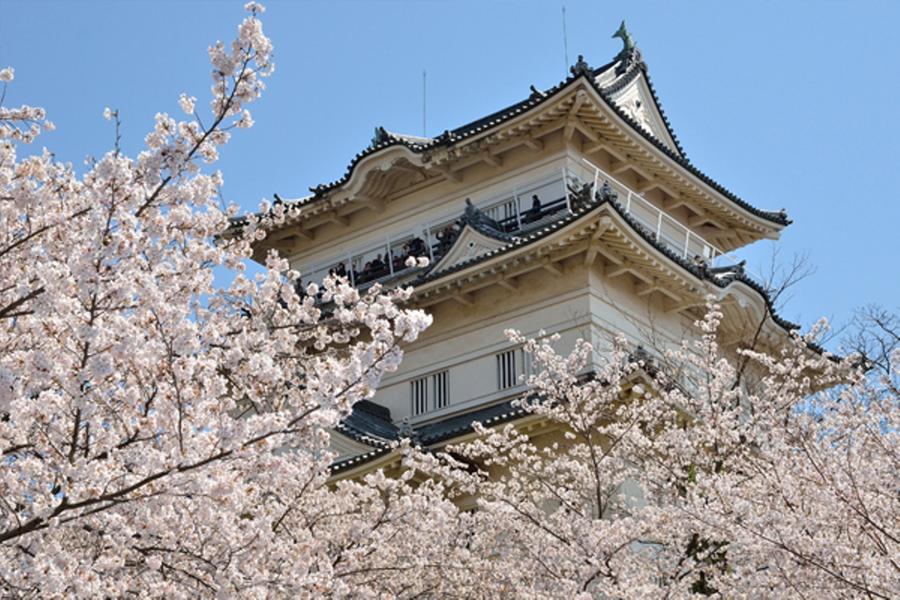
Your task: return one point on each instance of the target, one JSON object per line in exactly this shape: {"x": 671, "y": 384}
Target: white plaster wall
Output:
{"x": 582, "y": 304}
{"x": 428, "y": 206}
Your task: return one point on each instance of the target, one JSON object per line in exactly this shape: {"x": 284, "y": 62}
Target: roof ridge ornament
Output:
{"x": 536, "y": 93}
{"x": 581, "y": 67}
{"x": 381, "y": 136}
{"x": 629, "y": 55}
{"x": 475, "y": 217}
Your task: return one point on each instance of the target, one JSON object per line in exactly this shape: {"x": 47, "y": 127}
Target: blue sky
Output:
{"x": 788, "y": 104}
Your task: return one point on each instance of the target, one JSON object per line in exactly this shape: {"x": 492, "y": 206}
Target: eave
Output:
{"x": 524, "y": 123}
{"x": 602, "y": 230}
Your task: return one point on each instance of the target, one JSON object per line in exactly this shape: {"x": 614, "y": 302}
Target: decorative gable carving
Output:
{"x": 637, "y": 102}
{"x": 468, "y": 245}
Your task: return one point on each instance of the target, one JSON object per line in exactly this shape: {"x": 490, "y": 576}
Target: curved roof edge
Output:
{"x": 699, "y": 271}
{"x": 385, "y": 139}
{"x": 639, "y": 67}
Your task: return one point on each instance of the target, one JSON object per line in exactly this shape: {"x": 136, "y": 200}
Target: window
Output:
{"x": 510, "y": 365}
{"x": 440, "y": 386}
{"x": 419, "y": 395}
{"x": 506, "y": 370}
{"x": 431, "y": 392}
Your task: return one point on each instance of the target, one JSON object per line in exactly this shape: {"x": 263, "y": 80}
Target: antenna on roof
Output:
{"x": 424, "y": 131}
{"x": 565, "y": 40}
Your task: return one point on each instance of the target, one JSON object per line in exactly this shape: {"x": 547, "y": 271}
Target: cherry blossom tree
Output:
{"x": 625, "y": 481}
{"x": 164, "y": 436}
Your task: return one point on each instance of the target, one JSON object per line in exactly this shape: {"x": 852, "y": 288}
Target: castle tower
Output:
{"x": 574, "y": 211}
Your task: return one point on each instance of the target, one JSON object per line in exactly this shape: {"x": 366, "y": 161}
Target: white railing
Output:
{"x": 668, "y": 230}
{"x": 513, "y": 208}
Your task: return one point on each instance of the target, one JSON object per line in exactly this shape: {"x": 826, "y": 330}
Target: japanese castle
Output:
{"x": 574, "y": 212}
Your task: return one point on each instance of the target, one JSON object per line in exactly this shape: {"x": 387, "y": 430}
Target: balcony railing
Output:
{"x": 669, "y": 231}
{"x": 522, "y": 210}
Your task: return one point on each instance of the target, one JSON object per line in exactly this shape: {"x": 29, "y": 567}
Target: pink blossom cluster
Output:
{"x": 165, "y": 437}
{"x": 680, "y": 476}
{"x": 162, "y": 436}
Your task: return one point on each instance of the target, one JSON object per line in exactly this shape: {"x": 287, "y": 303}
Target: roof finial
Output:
{"x": 581, "y": 67}
{"x": 627, "y": 40}
{"x": 629, "y": 54}
{"x": 381, "y": 136}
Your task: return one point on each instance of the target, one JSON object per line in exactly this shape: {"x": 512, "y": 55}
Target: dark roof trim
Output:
{"x": 779, "y": 217}
{"x": 446, "y": 429}
{"x": 450, "y": 137}
{"x": 590, "y": 205}
{"x": 355, "y": 461}
{"x": 369, "y": 424}
{"x": 622, "y": 82}
{"x": 440, "y": 431}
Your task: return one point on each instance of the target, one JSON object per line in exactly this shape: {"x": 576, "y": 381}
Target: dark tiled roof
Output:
{"x": 359, "y": 459}
{"x": 640, "y": 67}
{"x": 439, "y": 431}
{"x": 496, "y": 414}
{"x": 370, "y": 423}
{"x": 779, "y": 217}
{"x": 385, "y": 139}
{"x": 721, "y": 278}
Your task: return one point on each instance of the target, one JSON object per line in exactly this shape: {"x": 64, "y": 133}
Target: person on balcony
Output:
{"x": 378, "y": 266}
{"x": 417, "y": 247}
{"x": 533, "y": 213}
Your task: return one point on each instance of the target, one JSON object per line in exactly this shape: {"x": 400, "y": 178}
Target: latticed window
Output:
{"x": 419, "y": 394}
{"x": 430, "y": 392}
{"x": 440, "y": 387}
{"x": 510, "y": 365}
{"x": 506, "y": 369}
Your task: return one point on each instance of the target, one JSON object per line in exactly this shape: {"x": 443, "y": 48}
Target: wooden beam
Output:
{"x": 552, "y": 267}
{"x": 464, "y": 299}
{"x": 448, "y": 173}
{"x": 621, "y": 270}
{"x": 586, "y": 131}
{"x": 494, "y": 161}
{"x": 580, "y": 98}
{"x": 670, "y": 294}
{"x": 591, "y": 254}
{"x": 569, "y": 130}
{"x": 281, "y": 234}
{"x": 283, "y": 244}
{"x": 681, "y": 306}
{"x": 609, "y": 256}
{"x": 645, "y": 186}
{"x": 337, "y": 219}
{"x": 674, "y": 203}
{"x": 698, "y": 220}
{"x": 532, "y": 143}
{"x": 509, "y": 283}
{"x": 708, "y": 232}
{"x": 653, "y": 183}
{"x": 291, "y": 232}
{"x": 603, "y": 225}
{"x": 594, "y": 246}
{"x": 703, "y": 216}
{"x": 615, "y": 154}
{"x": 645, "y": 289}
{"x": 618, "y": 166}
